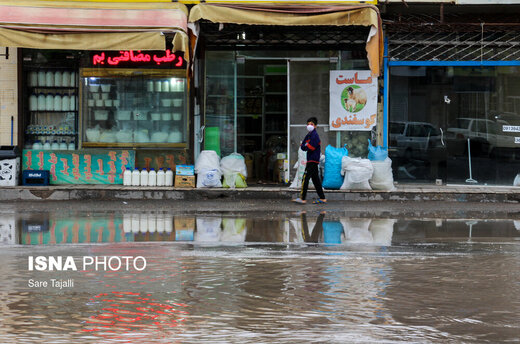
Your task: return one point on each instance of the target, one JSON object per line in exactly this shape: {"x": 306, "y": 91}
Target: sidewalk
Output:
{"x": 403, "y": 192}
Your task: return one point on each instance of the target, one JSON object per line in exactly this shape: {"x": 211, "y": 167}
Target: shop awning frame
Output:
{"x": 362, "y": 15}
{"x": 93, "y": 25}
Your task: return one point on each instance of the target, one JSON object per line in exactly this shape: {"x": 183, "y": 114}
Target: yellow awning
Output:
{"x": 93, "y": 25}
{"x": 362, "y": 15}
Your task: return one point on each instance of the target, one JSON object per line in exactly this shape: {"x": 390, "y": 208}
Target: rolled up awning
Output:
{"x": 93, "y": 25}
{"x": 362, "y": 15}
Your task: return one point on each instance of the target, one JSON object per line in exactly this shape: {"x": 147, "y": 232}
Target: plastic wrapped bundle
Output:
{"x": 207, "y": 168}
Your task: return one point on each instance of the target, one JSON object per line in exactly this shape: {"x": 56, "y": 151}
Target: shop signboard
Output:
{"x": 80, "y": 167}
{"x": 353, "y": 100}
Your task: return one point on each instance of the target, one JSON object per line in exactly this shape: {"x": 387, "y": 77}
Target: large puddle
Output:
{"x": 257, "y": 278}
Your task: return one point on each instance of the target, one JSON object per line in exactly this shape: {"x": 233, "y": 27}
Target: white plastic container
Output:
{"x": 127, "y": 177}
{"x": 161, "y": 178}
{"x": 57, "y": 102}
{"x": 65, "y": 103}
{"x": 33, "y": 79}
{"x": 168, "y": 180}
{"x": 135, "y": 177}
{"x": 72, "y": 103}
{"x": 37, "y": 145}
{"x": 55, "y": 146}
{"x": 63, "y": 145}
{"x": 72, "y": 79}
{"x": 71, "y": 145}
{"x": 149, "y": 86}
{"x": 57, "y": 79}
{"x": 41, "y": 79}
{"x": 49, "y": 102}
{"x": 144, "y": 177}
{"x": 158, "y": 86}
{"x": 41, "y": 102}
{"x": 143, "y": 223}
{"x": 160, "y": 223}
{"x": 46, "y": 146}
{"x": 135, "y": 223}
{"x": 165, "y": 86}
{"x": 65, "y": 79}
{"x": 49, "y": 79}
{"x": 152, "y": 177}
{"x": 33, "y": 102}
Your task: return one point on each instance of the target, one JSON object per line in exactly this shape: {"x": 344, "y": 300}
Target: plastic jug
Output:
{"x": 72, "y": 102}
{"x": 152, "y": 223}
{"x": 57, "y": 102}
{"x": 49, "y": 102}
{"x": 65, "y": 103}
{"x": 37, "y": 145}
{"x": 33, "y": 79}
{"x": 41, "y": 102}
{"x": 71, "y": 145}
{"x": 63, "y": 145}
{"x": 127, "y": 177}
{"x": 33, "y": 102}
{"x": 65, "y": 79}
{"x": 55, "y": 146}
{"x": 41, "y": 79}
{"x": 135, "y": 177}
{"x": 46, "y": 146}
{"x": 49, "y": 79}
{"x": 72, "y": 79}
{"x": 161, "y": 177}
{"x": 57, "y": 79}
{"x": 168, "y": 181}
{"x": 152, "y": 177}
{"x": 144, "y": 177}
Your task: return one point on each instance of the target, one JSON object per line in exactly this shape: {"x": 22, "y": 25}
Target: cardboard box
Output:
{"x": 184, "y": 181}
{"x": 184, "y": 170}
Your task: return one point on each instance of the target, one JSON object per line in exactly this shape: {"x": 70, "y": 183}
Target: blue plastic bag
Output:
{"x": 332, "y": 178}
{"x": 378, "y": 153}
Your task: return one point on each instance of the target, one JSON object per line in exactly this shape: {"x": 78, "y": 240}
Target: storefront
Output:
{"x": 260, "y": 72}
{"x": 95, "y": 101}
{"x": 453, "y": 98}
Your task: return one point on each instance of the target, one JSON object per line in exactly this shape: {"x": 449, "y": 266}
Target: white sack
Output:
{"x": 207, "y": 160}
{"x": 382, "y": 178}
{"x": 357, "y": 173}
{"x": 356, "y": 231}
{"x": 209, "y": 179}
{"x": 233, "y": 163}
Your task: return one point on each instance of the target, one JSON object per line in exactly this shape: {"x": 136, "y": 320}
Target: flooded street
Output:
{"x": 257, "y": 277}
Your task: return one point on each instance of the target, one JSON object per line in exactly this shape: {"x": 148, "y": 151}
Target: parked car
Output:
{"x": 414, "y": 140}
{"x": 486, "y": 136}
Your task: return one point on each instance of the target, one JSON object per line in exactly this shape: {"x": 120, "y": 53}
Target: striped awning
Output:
{"x": 92, "y": 25}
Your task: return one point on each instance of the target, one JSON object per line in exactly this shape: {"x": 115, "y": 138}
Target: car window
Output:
{"x": 492, "y": 128}
{"x": 432, "y": 131}
{"x": 462, "y": 123}
{"x": 396, "y": 128}
{"x": 482, "y": 127}
{"x": 416, "y": 130}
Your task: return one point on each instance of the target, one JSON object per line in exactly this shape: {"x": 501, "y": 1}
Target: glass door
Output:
{"x": 308, "y": 97}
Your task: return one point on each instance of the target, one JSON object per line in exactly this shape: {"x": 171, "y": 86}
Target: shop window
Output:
{"x": 140, "y": 107}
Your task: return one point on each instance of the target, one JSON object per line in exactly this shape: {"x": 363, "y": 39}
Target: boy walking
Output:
{"x": 311, "y": 144}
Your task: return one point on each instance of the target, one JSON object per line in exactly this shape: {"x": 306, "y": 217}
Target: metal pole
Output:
{"x": 470, "y": 179}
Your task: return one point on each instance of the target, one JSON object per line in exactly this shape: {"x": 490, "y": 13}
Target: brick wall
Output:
{"x": 8, "y": 96}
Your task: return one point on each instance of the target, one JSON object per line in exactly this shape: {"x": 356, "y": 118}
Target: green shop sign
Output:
{"x": 81, "y": 167}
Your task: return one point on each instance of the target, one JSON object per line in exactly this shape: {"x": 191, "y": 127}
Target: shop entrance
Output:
{"x": 246, "y": 111}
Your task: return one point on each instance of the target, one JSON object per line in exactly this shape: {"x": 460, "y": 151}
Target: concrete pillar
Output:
{"x": 8, "y": 96}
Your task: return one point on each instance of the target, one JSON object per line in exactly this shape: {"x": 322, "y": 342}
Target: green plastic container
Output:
{"x": 212, "y": 139}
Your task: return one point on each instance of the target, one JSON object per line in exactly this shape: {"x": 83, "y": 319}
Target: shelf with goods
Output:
{"x": 275, "y": 95}
{"x": 129, "y": 112}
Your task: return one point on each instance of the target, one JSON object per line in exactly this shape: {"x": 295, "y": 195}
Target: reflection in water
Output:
{"x": 297, "y": 278}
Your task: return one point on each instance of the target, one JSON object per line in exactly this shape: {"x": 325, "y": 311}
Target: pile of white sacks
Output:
{"x": 359, "y": 174}
{"x": 210, "y": 169}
